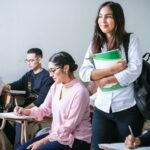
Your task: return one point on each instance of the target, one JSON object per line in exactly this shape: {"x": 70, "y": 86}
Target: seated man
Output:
{"x": 142, "y": 140}
{"x": 36, "y": 82}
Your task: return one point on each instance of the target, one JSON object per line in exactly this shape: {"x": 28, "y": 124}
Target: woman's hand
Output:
{"x": 132, "y": 142}
{"x": 101, "y": 83}
{"x": 107, "y": 80}
{"x": 119, "y": 66}
{"x": 37, "y": 144}
{"x": 22, "y": 111}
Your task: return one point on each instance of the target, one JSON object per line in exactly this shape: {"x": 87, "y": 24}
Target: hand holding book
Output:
{"x": 112, "y": 60}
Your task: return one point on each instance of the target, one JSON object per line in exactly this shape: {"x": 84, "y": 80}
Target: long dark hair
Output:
{"x": 117, "y": 37}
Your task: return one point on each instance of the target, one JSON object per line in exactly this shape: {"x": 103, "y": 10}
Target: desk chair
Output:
{"x": 16, "y": 99}
{"x": 8, "y": 101}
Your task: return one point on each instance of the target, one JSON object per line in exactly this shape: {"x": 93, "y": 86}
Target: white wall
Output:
{"x": 55, "y": 25}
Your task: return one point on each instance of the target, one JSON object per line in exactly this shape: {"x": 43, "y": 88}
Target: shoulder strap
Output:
{"x": 146, "y": 56}
{"x": 126, "y": 40}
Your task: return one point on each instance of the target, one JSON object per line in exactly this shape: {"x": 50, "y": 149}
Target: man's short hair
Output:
{"x": 36, "y": 51}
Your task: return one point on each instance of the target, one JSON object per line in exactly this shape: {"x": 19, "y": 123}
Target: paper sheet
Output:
{"x": 12, "y": 115}
{"x": 119, "y": 146}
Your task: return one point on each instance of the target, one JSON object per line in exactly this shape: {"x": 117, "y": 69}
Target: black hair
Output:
{"x": 99, "y": 37}
{"x": 63, "y": 58}
{"x": 36, "y": 51}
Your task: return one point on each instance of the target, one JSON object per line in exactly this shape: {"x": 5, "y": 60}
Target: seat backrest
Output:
{"x": 6, "y": 102}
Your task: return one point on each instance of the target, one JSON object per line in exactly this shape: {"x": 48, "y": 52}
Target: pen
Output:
{"x": 130, "y": 130}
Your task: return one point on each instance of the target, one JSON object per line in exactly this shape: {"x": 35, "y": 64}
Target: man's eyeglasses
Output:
{"x": 52, "y": 70}
{"x": 29, "y": 60}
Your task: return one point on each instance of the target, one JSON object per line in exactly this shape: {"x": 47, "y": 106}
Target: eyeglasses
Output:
{"x": 52, "y": 70}
{"x": 29, "y": 60}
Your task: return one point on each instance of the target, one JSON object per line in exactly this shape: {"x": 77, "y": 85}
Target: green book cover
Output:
{"x": 104, "y": 60}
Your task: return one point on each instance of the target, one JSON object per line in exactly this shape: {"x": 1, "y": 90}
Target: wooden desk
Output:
{"x": 120, "y": 146}
{"x": 18, "y": 99}
{"x": 18, "y": 119}
{"x": 15, "y": 98}
{"x": 23, "y": 120}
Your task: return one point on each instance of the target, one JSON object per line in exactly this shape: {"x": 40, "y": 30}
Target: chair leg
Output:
{"x": 3, "y": 124}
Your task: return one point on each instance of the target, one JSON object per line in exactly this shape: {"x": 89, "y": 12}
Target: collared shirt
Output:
{"x": 123, "y": 98}
{"x": 71, "y": 113}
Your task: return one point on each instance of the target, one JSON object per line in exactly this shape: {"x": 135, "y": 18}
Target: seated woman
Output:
{"x": 142, "y": 140}
{"x": 68, "y": 102}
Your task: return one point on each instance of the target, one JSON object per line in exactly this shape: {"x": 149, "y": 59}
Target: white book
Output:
{"x": 12, "y": 115}
{"x": 119, "y": 146}
{"x": 104, "y": 60}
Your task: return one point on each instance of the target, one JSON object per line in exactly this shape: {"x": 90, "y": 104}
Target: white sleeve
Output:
{"x": 87, "y": 66}
{"x": 133, "y": 70}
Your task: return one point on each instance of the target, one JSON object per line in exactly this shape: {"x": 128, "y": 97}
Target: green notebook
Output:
{"x": 104, "y": 60}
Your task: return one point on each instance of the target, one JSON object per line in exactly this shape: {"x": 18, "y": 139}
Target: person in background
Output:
{"x": 1, "y": 86}
{"x": 142, "y": 140}
{"x": 91, "y": 86}
{"x": 36, "y": 82}
{"x": 115, "y": 109}
{"x": 68, "y": 102}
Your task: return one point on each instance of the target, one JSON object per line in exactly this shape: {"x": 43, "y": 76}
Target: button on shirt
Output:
{"x": 123, "y": 98}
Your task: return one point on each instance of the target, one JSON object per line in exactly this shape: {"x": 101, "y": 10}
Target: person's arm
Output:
{"x": 132, "y": 142}
{"x": 38, "y": 112}
{"x": 45, "y": 109}
{"x": 16, "y": 85}
{"x": 88, "y": 72}
{"x": 107, "y": 80}
{"x": 97, "y": 74}
{"x": 44, "y": 88}
{"x": 38, "y": 143}
{"x": 19, "y": 84}
{"x": 134, "y": 67}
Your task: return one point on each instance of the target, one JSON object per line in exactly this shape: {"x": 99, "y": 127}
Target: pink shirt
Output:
{"x": 71, "y": 114}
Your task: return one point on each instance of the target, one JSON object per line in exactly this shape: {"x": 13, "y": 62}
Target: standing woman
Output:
{"x": 116, "y": 109}
{"x": 68, "y": 102}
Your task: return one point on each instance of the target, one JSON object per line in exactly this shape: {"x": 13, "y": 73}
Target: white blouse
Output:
{"x": 123, "y": 98}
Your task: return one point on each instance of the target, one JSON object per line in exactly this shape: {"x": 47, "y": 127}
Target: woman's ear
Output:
{"x": 66, "y": 69}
